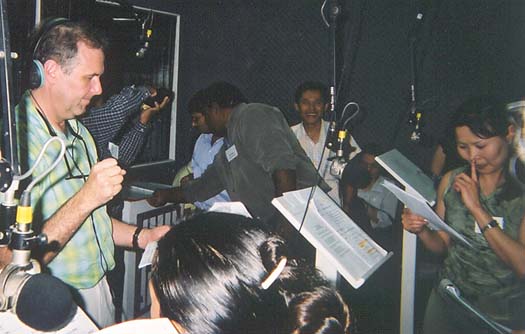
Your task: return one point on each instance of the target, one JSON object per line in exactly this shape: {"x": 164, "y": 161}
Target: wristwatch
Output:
{"x": 493, "y": 223}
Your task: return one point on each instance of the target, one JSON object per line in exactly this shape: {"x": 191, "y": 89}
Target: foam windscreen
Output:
{"x": 45, "y": 303}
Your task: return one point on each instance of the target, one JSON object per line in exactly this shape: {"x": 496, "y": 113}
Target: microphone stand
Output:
{"x": 414, "y": 118}
{"x": 9, "y": 145}
{"x": 334, "y": 10}
{"x": 453, "y": 292}
{"x": 330, "y": 140}
{"x": 15, "y": 222}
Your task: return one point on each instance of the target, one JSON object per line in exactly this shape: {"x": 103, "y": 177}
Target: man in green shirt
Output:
{"x": 69, "y": 203}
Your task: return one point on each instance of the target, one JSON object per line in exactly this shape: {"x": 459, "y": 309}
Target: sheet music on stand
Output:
{"x": 355, "y": 255}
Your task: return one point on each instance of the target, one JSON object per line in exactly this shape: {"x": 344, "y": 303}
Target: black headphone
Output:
{"x": 36, "y": 68}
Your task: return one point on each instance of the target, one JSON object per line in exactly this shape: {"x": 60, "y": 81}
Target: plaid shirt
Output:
{"x": 105, "y": 123}
{"x": 80, "y": 263}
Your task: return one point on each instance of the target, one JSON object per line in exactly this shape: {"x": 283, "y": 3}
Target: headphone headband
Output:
{"x": 45, "y": 27}
{"x": 36, "y": 68}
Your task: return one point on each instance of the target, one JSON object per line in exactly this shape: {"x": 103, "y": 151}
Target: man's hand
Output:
{"x": 159, "y": 197}
{"x": 154, "y": 234}
{"x": 148, "y": 112}
{"x": 104, "y": 182}
{"x": 163, "y": 196}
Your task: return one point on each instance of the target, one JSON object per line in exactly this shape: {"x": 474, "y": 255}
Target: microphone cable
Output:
{"x": 23, "y": 236}
{"x": 335, "y": 11}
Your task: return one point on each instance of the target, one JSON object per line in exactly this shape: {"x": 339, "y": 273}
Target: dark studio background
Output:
{"x": 463, "y": 48}
{"x": 267, "y": 47}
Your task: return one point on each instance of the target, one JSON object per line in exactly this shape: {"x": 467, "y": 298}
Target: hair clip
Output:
{"x": 274, "y": 274}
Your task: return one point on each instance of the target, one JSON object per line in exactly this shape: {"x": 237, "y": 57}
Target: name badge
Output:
{"x": 113, "y": 150}
{"x": 231, "y": 153}
{"x": 499, "y": 220}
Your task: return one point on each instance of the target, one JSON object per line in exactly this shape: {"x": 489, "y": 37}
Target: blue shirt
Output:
{"x": 203, "y": 155}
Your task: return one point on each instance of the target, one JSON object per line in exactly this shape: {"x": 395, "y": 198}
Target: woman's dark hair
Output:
{"x": 319, "y": 312}
{"x": 208, "y": 274}
{"x": 485, "y": 116}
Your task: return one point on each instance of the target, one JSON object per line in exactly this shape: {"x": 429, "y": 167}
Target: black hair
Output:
{"x": 485, "y": 116}
{"x": 320, "y": 311}
{"x": 311, "y": 85}
{"x": 355, "y": 173}
{"x": 60, "y": 41}
{"x": 373, "y": 149}
{"x": 198, "y": 102}
{"x": 208, "y": 274}
{"x": 224, "y": 94}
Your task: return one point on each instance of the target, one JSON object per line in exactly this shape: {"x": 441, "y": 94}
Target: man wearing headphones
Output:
{"x": 69, "y": 203}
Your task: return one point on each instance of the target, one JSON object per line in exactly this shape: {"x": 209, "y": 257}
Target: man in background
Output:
{"x": 105, "y": 120}
{"x": 260, "y": 159}
{"x": 311, "y": 102}
{"x": 208, "y": 144}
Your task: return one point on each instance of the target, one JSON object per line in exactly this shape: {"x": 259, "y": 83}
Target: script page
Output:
{"x": 408, "y": 174}
{"x": 327, "y": 227}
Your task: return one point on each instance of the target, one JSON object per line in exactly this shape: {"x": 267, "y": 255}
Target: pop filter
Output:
{"x": 40, "y": 301}
{"x": 45, "y": 303}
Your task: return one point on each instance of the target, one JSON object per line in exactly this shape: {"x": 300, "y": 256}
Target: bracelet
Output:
{"x": 135, "y": 240}
{"x": 490, "y": 225}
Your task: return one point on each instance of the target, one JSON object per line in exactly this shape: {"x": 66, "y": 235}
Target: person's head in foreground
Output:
{"x": 222, "y": 273}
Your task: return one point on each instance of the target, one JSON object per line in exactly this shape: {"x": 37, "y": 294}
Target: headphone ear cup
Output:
{"x": 36, "y": 74}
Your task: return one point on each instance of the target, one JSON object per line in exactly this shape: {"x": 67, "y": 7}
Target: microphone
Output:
{"x": 417, "y": 24}
{"x": 334, "y": 10}
{"x": 40, "y": 301}
{"x": 340, "y": 160}
{"x": 331, "y": 136}
{"x": 452, "y": 291}
{"x": 146, "y": 36}
{"x": 416, "y": 134}
{"x": 145, "y": 46}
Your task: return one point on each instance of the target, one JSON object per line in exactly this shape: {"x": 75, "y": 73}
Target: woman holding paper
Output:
{"x": 486, "y": 205}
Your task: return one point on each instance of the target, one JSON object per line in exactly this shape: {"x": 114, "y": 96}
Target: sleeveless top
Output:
{"x": 482, "y": 278}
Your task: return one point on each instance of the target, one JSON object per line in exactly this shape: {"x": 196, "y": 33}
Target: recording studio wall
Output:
{"x": 267, "y": 47}
{"x": 122, "y": 67}
{"x": 463, "y": 48}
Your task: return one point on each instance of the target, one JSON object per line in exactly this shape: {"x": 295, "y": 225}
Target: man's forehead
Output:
{"x": 311, "y": 92}
{"x": 89, "y": 58}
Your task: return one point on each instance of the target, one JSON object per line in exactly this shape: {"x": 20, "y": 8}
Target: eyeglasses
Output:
{"x": 73, "y": 163}
{"x": 70, "y": 171}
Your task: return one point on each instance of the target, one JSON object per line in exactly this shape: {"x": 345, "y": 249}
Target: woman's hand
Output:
{"x": 468, "y": 187}
{"x": 413, "y": 223}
